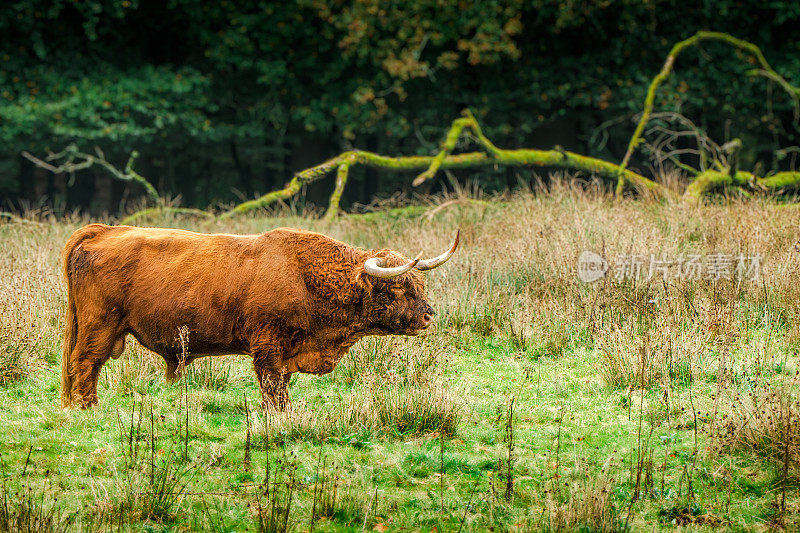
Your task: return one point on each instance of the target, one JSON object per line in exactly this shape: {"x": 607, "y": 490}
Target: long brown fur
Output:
{"x": 294, "y": 300}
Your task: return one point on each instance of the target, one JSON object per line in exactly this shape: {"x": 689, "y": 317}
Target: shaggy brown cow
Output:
{"x": 294, "y": 300}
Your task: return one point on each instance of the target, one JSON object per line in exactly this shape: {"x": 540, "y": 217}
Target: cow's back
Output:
{"x": 159, "y": 280}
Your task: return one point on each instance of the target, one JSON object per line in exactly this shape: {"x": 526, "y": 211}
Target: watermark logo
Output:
{"x": 717, "y": 266}
{"x": 591, "y": 266}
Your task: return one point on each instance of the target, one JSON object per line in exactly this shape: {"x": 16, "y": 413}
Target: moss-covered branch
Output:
{"x": 456, "y": 129}
{"x": 723, "y": 174}
{"x": 765, "y": 70}
{"x": 567, "y": 160}
{"x": 444, "y": 160}
{"x": 341, "y": 180}
{"x": 740, "y": 181}
{"x": 728, "y": 177}
{"x": 521, "y": 157}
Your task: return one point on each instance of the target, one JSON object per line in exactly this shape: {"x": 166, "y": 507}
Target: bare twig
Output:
{"x": 72, "y": 160}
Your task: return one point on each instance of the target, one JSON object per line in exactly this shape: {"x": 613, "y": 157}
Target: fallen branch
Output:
{"x": 444, "y": 160}
{"x": 743, "y": 182}
{"x": 341, "y": 180}
{"x": 713, "y": 180}
{"x": 459, "y": 125}
{"x": 568, "y": 160}
{"x": 766, "y": 70}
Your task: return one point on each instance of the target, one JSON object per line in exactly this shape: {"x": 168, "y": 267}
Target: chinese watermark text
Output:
{"x": 716, "y": 266}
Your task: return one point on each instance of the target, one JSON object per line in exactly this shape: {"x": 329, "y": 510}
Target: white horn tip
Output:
{"x": 428, "y": 264}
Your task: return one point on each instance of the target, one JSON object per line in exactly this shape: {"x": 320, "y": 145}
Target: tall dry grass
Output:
{"x": 31, "y": 298}
{"x": 513, "y": 278}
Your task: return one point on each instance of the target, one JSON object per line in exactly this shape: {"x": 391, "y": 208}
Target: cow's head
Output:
{"x": 397, "y": 303}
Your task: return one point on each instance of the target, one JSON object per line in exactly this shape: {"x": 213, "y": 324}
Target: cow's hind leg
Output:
{"x": 96, "y": 344}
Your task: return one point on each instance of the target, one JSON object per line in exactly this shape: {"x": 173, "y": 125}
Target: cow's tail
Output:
{"x": 70, "y": 336}
{"x": 71, "y": 322}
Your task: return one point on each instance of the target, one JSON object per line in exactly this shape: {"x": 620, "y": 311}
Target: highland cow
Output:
{"x": 294, "y": 300}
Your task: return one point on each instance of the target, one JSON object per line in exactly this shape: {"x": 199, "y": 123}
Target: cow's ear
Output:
{"x": 364, "y": 281}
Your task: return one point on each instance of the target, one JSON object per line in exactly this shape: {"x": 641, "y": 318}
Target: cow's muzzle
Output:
{"x": 427, "y": 316}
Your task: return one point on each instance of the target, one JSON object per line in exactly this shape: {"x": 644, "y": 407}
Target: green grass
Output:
{"x": 362, "y": 448}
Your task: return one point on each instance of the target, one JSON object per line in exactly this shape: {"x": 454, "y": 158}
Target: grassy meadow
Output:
{"x": 536, "y": 402}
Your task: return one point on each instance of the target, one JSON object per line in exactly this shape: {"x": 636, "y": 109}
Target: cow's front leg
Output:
{"x": 272, "y": 375}
{"x": 274, "y": 389}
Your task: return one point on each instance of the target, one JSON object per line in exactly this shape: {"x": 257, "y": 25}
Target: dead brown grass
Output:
{"x": 765, "y": 421}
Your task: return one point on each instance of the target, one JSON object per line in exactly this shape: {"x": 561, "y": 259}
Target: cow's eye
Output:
{"x": 396, "y": 291}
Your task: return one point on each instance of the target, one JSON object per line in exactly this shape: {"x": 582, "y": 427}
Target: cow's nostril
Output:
{"x": 427, "y": 318}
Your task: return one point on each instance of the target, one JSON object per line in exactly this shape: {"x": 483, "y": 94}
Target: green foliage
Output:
{"x": 231, "y": 89}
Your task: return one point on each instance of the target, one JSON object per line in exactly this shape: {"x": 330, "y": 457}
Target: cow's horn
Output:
{"x": 427, "y": 264}
{"x": 374, "y": 267}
